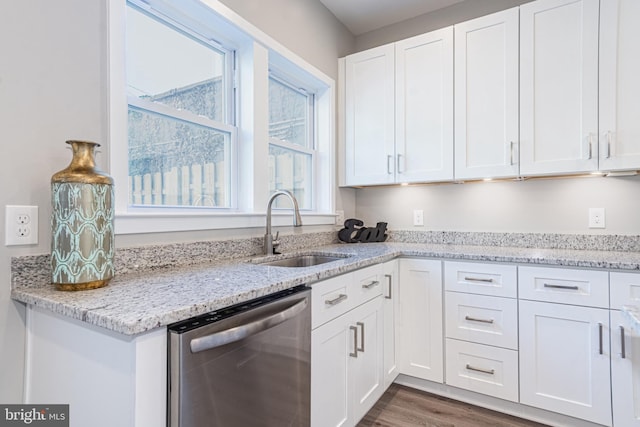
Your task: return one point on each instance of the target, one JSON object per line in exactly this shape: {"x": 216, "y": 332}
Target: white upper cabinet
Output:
{"x": 399, "y": 112}
{"x": 486, "y": 96}
{"x": 558, "y": 87}
{"x": 424, "y": 107}
{"x": 619, "y": 85}
{"x": 369, "y": 116}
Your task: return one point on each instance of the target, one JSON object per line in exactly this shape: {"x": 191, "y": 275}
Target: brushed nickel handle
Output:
{"x": 388, "y": 276}
{"x": 398, "y": 163}
{"x": 569, "y": 287}
{"x": 478, "y": 279}
{"x": 336, "y": 300}
{"x": 371, "y": 285}
{"x": 484, "y": 371}
{"x": 389, "y": 160}
{"x": 600, "y": 350}
{"x": 608, "y": 155}
{"x": 355, "y": 342}
{"x": 589, "y": 146}
{"x": 475, "y": 319}
{"x": 361, "y": 348}
{"x": 623, "y": 352}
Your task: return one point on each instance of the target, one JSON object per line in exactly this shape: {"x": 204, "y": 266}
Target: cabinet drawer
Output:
{"x": 331, "y": 298}
{"x": 484, "y": 279}
{"x": 625, "y": 289}
{"x": 482, "y": 319}
{"x": 483, "y": 369}
{"x": 566, "y": 286}
{"x": 368, "y": 283}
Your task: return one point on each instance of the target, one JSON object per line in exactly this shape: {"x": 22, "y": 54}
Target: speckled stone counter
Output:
{"x": 141, "y": 299}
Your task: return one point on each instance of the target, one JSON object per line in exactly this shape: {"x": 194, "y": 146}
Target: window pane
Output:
{"x": 176, "y": 163}
{"x": 290, "y": 170}
{"x": 288, "y": 114}
{"x": 169, "y": 67}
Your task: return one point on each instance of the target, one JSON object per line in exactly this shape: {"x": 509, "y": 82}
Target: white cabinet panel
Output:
{"x": 483, "y": 369}
{"x": 480, "y": 278}
{"x": 368, "y": 283}
{"x": 619, "y": 85}
{"x": 625, "y": 289}
{"x": 331, "y": 298}
{"x": 564, "y": 360}
{"x": 558, "y": 86}
{"x": 625, "y": 373}
{"x": 420, "y": 327}
{"x": 424, "y": 107}
{"x": 391, "y": 313}
{"x": 486, "y": 96}
{"x": 369, "y": 116}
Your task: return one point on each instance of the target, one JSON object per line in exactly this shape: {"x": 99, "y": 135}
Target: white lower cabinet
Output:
{"x": 420, "y": 320}
{"x": 347, "y": 356}
{"x": 564, "y": 349}
{"x": 390, "y": 303}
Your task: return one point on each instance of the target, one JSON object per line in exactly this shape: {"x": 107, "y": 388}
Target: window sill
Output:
{"x": 135, "y": 223}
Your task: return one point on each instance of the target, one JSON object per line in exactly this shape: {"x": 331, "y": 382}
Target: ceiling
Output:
{"x": 362, "y": 16}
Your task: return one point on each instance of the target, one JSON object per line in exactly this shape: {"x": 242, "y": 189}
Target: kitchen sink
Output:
{"x": 306, "y": 260}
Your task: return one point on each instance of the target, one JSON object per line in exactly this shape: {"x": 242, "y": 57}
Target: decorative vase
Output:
{"x": 82, "y": 245}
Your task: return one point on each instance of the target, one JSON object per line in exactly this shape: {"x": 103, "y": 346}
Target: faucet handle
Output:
{"x": 275, "y": 243}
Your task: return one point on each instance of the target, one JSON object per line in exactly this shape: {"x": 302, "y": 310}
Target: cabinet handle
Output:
{"x": 361, "y": 348}
{"x": 474, "y": 319}
{"x": 336, "y": 300}
{"x": 478, "y": 279}
{"x": 608, "y": 155}
{"x": 398, "y": 168}
{"x": 389, "y": 160}
{"x": 355, "y": 341}
{"x": 590, "y": 146}
{"x": 600, "y": 350}
{"x": 484, "y": 371}
{"x": 371, "y": 285}
{"x": 623, "y": 352}
{"x": 388, "y": 276}
{"x": 511, "y": 148}
{"x": 569, "y": 287}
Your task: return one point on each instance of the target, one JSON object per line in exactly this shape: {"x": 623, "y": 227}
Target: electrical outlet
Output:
{"x": 596, "y": 218}
{"x": 418, "y": 217}
{"x": 21, "y": 225}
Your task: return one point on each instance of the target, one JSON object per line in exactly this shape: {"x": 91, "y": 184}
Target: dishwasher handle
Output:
{"x": 238, "y": 333}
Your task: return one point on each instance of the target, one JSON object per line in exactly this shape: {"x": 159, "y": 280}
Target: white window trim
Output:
{"x": 249, "y": 213}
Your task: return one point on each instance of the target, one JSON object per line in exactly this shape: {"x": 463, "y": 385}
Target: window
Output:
{"x": 292, "y": 142}
{"x": 180, "y": 133}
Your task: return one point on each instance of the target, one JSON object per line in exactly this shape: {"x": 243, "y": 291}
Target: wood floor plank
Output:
{"x": 402, "y": 406}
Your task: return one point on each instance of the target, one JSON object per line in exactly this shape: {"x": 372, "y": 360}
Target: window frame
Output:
{"x": 255, "y": 54}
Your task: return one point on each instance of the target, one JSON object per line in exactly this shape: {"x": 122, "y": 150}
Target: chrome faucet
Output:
{"x": 270, "y": 244}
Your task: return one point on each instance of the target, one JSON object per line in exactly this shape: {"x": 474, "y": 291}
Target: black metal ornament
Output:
{"x": 355, "y": 232}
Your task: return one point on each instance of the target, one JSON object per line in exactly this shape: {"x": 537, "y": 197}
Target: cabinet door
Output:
{"x": 625, "y": 379}
{"x": 369, "y": 116}
{"x": 558, "y": 86}
{"x": 331, "y": 344}
{"x": 420, "y": 327}
{"x": 390, "y": 313}
{"x": 366, "y": 372}
{"x": 486, "y": 96}
{"x": 619, "y": 85}
{"x": 424, "y": 107}
{"x": 564, "y": 360}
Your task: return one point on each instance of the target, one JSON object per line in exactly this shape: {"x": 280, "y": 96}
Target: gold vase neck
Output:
{"x": 83, "y": 166}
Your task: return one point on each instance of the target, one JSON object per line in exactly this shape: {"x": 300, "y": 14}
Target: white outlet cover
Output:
{"x": 21, "y": 225}
{"x": 596, "y": 218}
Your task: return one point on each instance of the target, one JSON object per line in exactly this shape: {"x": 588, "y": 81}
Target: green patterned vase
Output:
{"x": 82, "y": 245}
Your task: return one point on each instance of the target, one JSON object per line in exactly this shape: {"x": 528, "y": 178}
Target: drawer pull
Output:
{"x": 569, "y": 287}
{"x": 484, "y": 371}
{"x": 475, "y": 319}
{"x": 478, "y": 279}
{"x": 388, "y": 276}
{"x": 371, "y": 285}
{"x": 336, "y": 300}
{"x": 361, "y": 348}
{"x": 600, "y": 350}
{"x": 623, "y": 352}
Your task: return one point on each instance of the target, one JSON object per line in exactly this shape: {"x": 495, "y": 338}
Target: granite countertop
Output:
{"x": 135, "y": 302}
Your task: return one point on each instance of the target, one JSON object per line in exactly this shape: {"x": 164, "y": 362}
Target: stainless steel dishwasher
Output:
{"x": 246, "y": 365}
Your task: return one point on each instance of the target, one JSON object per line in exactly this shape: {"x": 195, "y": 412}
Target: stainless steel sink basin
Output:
{"x": 301, "y": 260}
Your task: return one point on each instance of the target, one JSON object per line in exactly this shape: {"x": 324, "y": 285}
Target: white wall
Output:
{"x": 536, "y": 206}
{"x": 51, "y": 90}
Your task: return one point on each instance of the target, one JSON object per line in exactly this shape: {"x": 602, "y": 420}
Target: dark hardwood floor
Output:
{"x": 402, "y": 406}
